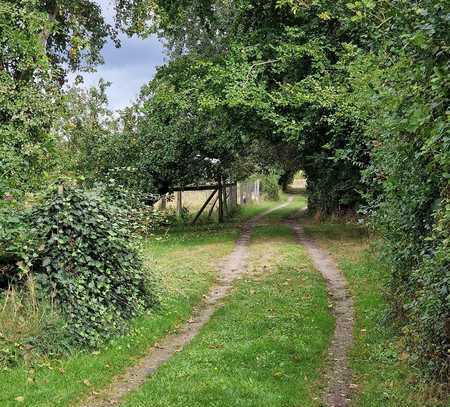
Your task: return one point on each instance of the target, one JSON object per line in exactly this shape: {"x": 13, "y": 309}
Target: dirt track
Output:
{"x": 233, "y": 266}
{"x": 338, "y": 372}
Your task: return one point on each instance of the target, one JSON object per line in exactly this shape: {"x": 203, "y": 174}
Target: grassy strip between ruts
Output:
{"x": 264, "y": 348}
{"x": 380, "y": 368}
{"x": 185, "y": 263}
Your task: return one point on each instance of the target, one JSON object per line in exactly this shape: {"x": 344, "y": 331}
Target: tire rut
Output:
{"x": 233, "y": 266}
{"x": 338, "y": 372}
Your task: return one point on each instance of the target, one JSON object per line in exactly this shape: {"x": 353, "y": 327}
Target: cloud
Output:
{"x": 128, "y": 68}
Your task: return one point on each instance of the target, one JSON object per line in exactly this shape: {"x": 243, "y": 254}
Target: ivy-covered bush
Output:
{"x": 16, "y": 242}
{"x": 87, "y": 261}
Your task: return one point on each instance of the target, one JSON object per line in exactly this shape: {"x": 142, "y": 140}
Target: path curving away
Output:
{"x": 338, "y": 371}
{"x": 233, "y": 266}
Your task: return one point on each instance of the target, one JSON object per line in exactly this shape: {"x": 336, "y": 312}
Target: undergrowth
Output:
{"x": 31, "y": 328}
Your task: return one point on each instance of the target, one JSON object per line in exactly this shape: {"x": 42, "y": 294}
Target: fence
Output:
{"x": 222, "y": 199}
{"x": 248, "y": 191}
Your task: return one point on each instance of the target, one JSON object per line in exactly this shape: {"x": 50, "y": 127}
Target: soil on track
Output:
{"x": 338, "y": 372}
{"x": 234, "y": 266}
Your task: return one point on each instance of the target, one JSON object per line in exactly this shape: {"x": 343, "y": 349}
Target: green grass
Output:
{"x": 379, "y": 364}
{"x": 264, "y": 347}
{"x": 185, "y": 263}
{"x": 242, "y": 214}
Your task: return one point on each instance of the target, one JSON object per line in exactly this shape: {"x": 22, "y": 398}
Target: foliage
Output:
{"x": 401, "y": 90}
{"x": 357, "y": 93}
{"x": 84, "y": 130}
{"x": 378, "y": 359}
{"x": 28, "y": 93}
{"x": 85, "y": 259}
{"x": 40, "y": 43}
{"x": 270, "y": 78}
{"x": 354, "y": 93}
{"x": 16, "y": 244}
{"x": 186, "y": 278}
{"x": 270, "y": 187}
{"x": 187, "y": 100}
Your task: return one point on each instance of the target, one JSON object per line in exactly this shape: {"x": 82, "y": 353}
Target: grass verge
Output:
{"x": 380, "y": 367}
{"x": 264, "y": 347}
{"x": 185, "y": 263}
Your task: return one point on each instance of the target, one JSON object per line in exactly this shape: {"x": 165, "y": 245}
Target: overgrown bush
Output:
{"x": 270, "y": 187}
{"x": 15, "y": 244}
{"x": 87, "y": 260}
{"x": 428, "y": 307}
{"x": 401, "y": 91}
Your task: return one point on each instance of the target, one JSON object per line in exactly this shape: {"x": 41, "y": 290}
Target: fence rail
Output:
{"x": 212, "y": 198}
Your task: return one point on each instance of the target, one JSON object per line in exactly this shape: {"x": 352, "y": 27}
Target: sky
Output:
{"x": 128, "y": 67}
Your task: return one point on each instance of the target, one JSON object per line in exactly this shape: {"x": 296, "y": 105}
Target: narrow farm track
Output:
{"x": 338, "y": 372}
{"x": 233, "y": 266}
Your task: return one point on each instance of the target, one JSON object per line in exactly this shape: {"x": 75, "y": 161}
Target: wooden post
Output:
{"x": 233, "y": 196}
{"x": 163, "y": 203}
{"x": 213, "y": 206}
{"x": 204, "y": 206}
{"x": 221, "y": 217}
{"x": 224, "y": 199}
{"x": 241, "y": 193}
{"x": 179, "y": 203}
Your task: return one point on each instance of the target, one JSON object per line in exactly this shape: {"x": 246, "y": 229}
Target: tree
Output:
{"x": 41, "y": 41}
{"x": 401, "y": 88}
{"x": 28, "y": 96}
{"x": 281, "y": 83}
{"x": 85, "y": 129}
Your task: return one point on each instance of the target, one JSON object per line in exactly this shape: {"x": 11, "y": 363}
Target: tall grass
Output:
{"x": 30, "y": 327}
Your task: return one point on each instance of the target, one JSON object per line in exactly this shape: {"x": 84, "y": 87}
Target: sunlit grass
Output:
{"x": 264, "y": 348}
{"x": 185, "y": 264}
{"x": 379, "y": 363}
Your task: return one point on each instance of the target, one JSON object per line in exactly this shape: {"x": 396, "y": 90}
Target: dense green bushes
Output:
{"x": 354, "y": 93}
{"x": 358, "y": 93}
{"x": 85, "y": 258}
{"x": 401, "y": 91}
{"x": 270, "y": 187}
{"x": 78, "y": 244}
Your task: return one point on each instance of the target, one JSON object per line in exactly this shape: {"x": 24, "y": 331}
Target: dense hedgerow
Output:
{"x": 401, "y": 90}
{"x": 86, "y": 259}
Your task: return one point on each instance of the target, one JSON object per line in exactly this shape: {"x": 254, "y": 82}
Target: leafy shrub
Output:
{"x": 86, "y": 260}
{"x": 143, "y": 217}
{"x": 15, "y": 244}
{"x": 428, "y": 306}
{"x": 401, "y": 90}
{"x": 270, "y": 187}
